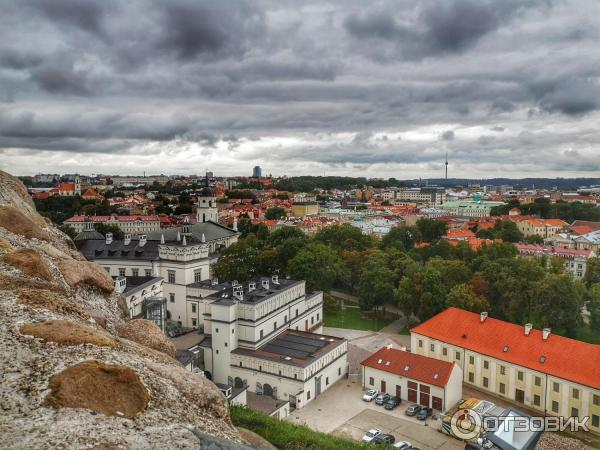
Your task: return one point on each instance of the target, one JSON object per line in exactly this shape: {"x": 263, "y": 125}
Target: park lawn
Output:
{"x": 355, "y": 319}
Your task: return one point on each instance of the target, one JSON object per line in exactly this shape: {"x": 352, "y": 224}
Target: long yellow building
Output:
{"x": 545, "y": 372}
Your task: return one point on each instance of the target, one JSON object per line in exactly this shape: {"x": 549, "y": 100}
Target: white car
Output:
{"x": 370, "y": 395}
{"x": 371, "y": 434}
{"x": 402, "y": 445}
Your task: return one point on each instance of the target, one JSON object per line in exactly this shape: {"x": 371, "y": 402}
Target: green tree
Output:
{"x": 593, "y": 306}
{"x": 375, "y": 285}
{"x": 320, "y": 266}
{"x": 402, "y": 238}
{"x": 240, "y": 261}
{"x": 344, "y": 237}
{"x": 281, "y": 234}
{"x": 114, "y": 229}
{"x": 453, "y": 271}
{"x": 431, "y": 229}
{"x": 592, "y": 271}
{"x": 463, "y": 296}
{"x": 275, "y": 213}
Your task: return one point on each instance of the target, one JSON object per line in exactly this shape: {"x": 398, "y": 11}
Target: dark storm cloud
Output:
{"x": 318, "y": 82}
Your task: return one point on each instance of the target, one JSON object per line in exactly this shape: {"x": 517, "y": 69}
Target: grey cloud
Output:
{"x": 447, "y": 135}
{"x": 85, "y": 15}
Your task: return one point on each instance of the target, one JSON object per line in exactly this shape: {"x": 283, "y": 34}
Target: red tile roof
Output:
{"x": 565, "y": 358}
{"x": 581, "y": 229}
{"x": 459, "y": 234}
{"x": 420, "y": 368}
{"x": 102, "y": 219}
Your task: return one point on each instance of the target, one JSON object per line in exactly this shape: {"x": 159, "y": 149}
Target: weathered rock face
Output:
{"x": 146, "y": 333}
{"x": 67, "y": 382}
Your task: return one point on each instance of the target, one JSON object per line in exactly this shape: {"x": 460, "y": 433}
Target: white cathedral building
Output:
{"x": 182, "y": 255}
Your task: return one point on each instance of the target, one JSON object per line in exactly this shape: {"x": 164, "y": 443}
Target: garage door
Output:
{"x": 436, "y": 403}
{"x": 424, "y": 399}
{"x": 412, "y": 395}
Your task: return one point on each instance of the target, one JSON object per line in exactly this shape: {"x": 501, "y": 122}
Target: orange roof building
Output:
{"x": 540, "y": 370}
{"x": 416, "y": 378}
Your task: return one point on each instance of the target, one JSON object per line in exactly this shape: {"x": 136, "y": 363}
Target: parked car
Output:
{"x": 424, "y": 413}
{"x": 371, "y": 434}
{"x": 370, "y": 395}
{"x": 392, "y": 402}
{"x": 412, "y": 410}
{"x": 382, "y": 398}
{"x": 384, "y": 439}
{"x": 403, "y": 445}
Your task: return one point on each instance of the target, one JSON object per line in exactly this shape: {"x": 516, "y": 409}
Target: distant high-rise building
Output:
{"x": 256, "y": 172}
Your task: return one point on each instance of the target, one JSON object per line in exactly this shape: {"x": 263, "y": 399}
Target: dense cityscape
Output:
{"x": 299, "y": 225}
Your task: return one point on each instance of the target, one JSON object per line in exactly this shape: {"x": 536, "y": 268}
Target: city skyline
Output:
{"x": 335, "y": 88}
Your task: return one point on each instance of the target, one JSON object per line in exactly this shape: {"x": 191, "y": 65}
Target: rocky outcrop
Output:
{"x": 29, "y": 262}
{"x": 146, "y": 333}
{"x": 113, "y": 390}
{"x": 69, "y": 383}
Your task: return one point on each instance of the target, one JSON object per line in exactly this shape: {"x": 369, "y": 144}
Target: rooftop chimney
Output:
{"x": 214, "y": 281}
{"x": 275, "y": 279}
{"x": 109, "y": 238}
{"x": 143, "y": 239}
{"x": 528, "y": 328}
{"x": 483, "y": 316}
{"x": 265, "y": 283}
{"x": 127, "y": 239}
{"x": 162, "y": 238}
{"x": 251, "y": 286}
{"x": 546, "y": 333}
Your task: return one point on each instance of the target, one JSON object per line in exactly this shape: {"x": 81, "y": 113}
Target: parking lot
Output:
{"x": 341, "y": 411}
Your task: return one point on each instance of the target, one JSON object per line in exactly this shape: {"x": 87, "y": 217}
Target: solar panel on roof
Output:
{"x": 272, "y": 348}
{"x": 304, "y": 340}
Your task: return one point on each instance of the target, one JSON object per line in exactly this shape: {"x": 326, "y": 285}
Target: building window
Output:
{"x": 432, "y": 347}
{"x": 172, "y": 298}
{"x": 574, "y": 412}
{"x": 121, "y": 271}
{"x": 520, "y": 375}
{"x": 502, "y": 388}
{"x": 197, "y": 276}
{"x": 371, "y": 381}
{"x": 576, "y": 394}
{"x": 458, "y": 356}
{"x": 260, "y": 368}
{"x": 555, "y": 406}
{"x": 471, "y": 360}
{"x": 307, "y": 395}
{"x": 485, "y": 382}
{"x": 471, "y": 377}
{"x": 502, "y": 370}
{"x": 193, "y": 307}
{"x": 537, "y": 381}
{"x": 226, "y": 344}
{"x": 285, "y": 319}
{"x": 274, "y": 325}
{"x": 339, "y": 371}
{"x": 216, "y": 330}
{"x": 295, "y": 376}
{"x": 420, "y": 343}
{"x": 296, "y": 312}
{"x": 261, "y": 334}
{"x": 147, "y": 272}
{"x": 240, "y": 364}
{"x": 312, "y": 320}
{"x": 194, "y": 323}
{"x": 326, "y": 381}
{"x": 318, "y": 317}
{"x": 536, "y": 400}
{"x": 171, "y": 276}
{"x": 595, "y": 421}
{"x": 280, "y": 373}
{"x": 217, "y": 352}
{"x": 135, "y": 272}
{"x": 596, "y": 400}
{"x": 556, "y": 387}
{"x": 445, "y": 351}
{"x": 233, "y": 331}
{"x": 107, "y": 269}
{"x": 486, "y": 364}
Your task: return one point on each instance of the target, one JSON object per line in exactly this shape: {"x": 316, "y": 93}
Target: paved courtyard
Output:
{"x": 341, "y": 411}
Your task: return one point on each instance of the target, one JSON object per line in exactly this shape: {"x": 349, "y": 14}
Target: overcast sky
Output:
{"x": 370, "y": 88}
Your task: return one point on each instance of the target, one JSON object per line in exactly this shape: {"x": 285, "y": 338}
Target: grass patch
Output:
{"x": 288, "y": 436}
{"x": 355, "y": 319}
{"x": 586, "y": 334}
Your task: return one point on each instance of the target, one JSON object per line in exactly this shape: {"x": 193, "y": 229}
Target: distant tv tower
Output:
{"x": 446, "y": 165}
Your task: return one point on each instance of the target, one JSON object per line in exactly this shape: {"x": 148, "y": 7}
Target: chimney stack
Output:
{"x": 265, "y": 283}
{"x": 143, "y": 239}
{"x": 109, "y": 238}
{"x": 483, "y": 316}
{"x": 546, "y": 334}
{"x": 127, "y": 239}
{"x": 528, "y": 328}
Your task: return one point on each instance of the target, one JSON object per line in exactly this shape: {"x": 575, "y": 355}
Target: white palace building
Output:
{"x": 181, "y": 256}
{"x": 264, "y": 336}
